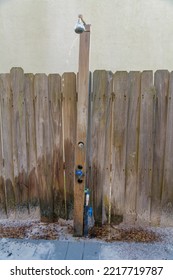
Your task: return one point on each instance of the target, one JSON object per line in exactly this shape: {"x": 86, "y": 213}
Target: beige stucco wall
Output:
{"x": 126, "y": 34}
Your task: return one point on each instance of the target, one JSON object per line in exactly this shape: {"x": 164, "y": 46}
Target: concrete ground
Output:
{"x": 15, "y": 249}
{"x": 29, "y": 241}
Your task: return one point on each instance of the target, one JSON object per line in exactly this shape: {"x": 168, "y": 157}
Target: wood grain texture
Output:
{"x": 145, "y": 163}
{"x": 167, "y": 188}
{"x": 161, "y": 83}
{"x": 132, "y": 146}
{"x": 120, "y": 108}
{"x": 33, "y": 191}
{"x": 56, "y": 136}
{"x": 6, "y": 110}
{"x": 19, "y": 142}
{"x": 107, "y": 171}
{"x": 100, "y": 82}
{"x": 128, "y": 148}
{"x": 3, "y": 212}
{"x": 69, "y": 127}
{"x": 82, "y": 123}
{"x": 44, "y": 159}
{"x": 89, "y": 141}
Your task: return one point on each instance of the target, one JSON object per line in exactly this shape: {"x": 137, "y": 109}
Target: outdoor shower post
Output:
{"x": 82, "y": 118}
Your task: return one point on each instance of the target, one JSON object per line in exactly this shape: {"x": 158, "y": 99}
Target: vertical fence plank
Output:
{"x": 2, "y": 168}
{"x": 145, "y": 163}
{"x": 161, "y": 85}
{"x": 89, "y": 146}
{"x": 6, "y": 110}
{"x": 132, "y": 146}
{"x": 19, "y": 141}
{"x": 44, "y": 160}
{"x": 167, "y": 191}
{"x": 34, "y": 208}
{"x": 120, "y": 107}
{"x": 98, "y": 140}
{"x": 107, "y": 169}
{"x": 2, "y": 183}
{"x": 69, "y": 120}
{"x": 56, "y": 130}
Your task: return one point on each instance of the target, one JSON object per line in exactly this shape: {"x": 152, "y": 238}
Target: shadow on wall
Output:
{"x": 170, "y": 1}
{"x": 2, "y": 2}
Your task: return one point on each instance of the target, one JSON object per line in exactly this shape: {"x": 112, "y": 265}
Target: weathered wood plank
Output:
{"x": 6, "y": 110}
{"x": 56, "y": 136}
{"x": 2, "y": 186}
{"x": 167, "y": 189}
{"x": 145, "y": 162}
{"x": 100, "y": 83}
{"x": 107, "y": 172}
{"x": 132, "y": 146}
{"x": 161, "y": 83}
{"x": 89, "y": 141}
{"x": 119, "y": 132}
{"x": 19, "y": 142}
{"x": 81, "y": 137}
{"x": 44, "y": 159}
{"x": 34, "y": 208}
{"x": 3, "y": 211}
{"x": 69, "y": 124}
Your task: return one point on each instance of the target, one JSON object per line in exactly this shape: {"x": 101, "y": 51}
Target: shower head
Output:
{"x": 80, "y": 25}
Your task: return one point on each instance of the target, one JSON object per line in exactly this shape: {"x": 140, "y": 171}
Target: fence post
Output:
{"x": 82, "y": 116}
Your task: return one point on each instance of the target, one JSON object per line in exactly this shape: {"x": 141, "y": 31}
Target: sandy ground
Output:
{"x": 36, "y": 240}
{"x": 63, "y": 230}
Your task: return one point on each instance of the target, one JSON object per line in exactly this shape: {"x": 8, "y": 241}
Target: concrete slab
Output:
{"x": 59, "y": 251}
{"x": 75, "y": 251}
{"x": 46, "y": 249}
{"x": 136, "y": 251}
{"x": 91, "y": 251}
{"x": 16, "y": 249}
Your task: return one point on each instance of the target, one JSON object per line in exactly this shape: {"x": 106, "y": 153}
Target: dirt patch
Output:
{"x": 36, "y": 230}
{"x": 132, "y": 234}
{"x": 63, "y": 230}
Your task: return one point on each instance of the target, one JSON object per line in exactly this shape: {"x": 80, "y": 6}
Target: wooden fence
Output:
{"x": 130, "y": 146}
